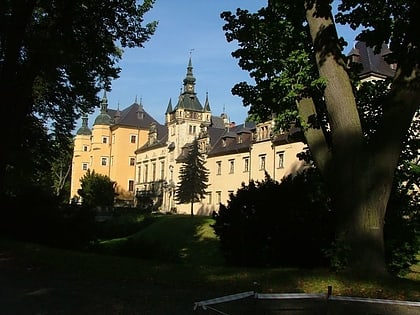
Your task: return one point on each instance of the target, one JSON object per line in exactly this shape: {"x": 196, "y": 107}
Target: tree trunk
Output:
{"x": 192, "y": 208}
{"x": 358, "y": 204}
{"x": 359, "y": 175}
{"x": 361, "y": 207}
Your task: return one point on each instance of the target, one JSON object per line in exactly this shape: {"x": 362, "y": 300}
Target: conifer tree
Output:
{"x": 193, "y": 178}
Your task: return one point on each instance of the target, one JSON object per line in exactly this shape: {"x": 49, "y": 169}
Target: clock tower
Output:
{"x": 184, "y": 121}
{"x": 189, "y": 81}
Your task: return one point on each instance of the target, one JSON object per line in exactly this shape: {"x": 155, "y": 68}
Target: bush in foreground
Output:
{"x": 277, "y": 224}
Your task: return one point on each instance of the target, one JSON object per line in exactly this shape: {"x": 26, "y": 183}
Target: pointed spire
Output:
{"x": 104, "y": 104}
{"x": 117, "y": 115}
{"x": 140, "y": 110}
{"x": 189, "y": 80}
{"x": 84, "y": 120}
{"x": 207, "y": 103}
{"x": 169, "y": 108}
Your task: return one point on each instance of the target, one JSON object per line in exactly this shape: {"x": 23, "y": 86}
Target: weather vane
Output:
{"x": 191, "y": 50}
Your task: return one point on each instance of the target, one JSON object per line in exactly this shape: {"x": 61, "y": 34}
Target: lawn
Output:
{"x": 186, "y": 258}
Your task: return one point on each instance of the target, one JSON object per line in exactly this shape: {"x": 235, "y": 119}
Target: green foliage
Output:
{"x": 292, "y": 51}
{"x": 298, "y": 230}
{"x": 30, "y": 168}
{"x": 274, "y": 48}
{"x": 39, "y": 216}
{"x": 402, "y": 227}
{"x": 193, "y": 177}
{"x": 395, "y": 23}
{"x": 55, "y": 58}
{"x": 97, "y": 190}
{"x": 293, "y": 231}
{"x": 121, "y": 224}
{"x": 170, "y": 238}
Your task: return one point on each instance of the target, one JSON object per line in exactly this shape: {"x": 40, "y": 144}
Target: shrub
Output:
{"x": 277, "y": 224}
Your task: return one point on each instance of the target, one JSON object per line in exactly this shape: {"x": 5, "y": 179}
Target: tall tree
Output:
{"x": 293, "y": 51}
{"x": 54, "y": 58}
{"x": 193, "y": 178}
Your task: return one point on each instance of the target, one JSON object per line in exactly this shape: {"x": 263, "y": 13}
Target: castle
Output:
{"x": 144, "y": 157}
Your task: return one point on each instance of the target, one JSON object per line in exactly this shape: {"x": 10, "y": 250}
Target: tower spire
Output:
{"x": 104, "y": 104}
{"x": 207, "y": 103}
{"x": 189, "y": 80}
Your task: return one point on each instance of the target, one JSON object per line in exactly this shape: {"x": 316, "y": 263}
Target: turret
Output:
{"x": 103, "y": 118}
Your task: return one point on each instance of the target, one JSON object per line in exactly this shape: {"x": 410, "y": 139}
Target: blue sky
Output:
{"x": 155, "y": 72}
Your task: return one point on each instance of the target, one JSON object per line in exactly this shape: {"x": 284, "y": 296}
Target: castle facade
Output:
{"x": 144, "y": 157}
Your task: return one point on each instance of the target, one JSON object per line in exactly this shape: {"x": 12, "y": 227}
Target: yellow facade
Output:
{"x": 109, "y": 147}
{"x": 144, "y": 157}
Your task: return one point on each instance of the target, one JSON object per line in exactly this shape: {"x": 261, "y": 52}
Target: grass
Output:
{"x": 199, "y": 264}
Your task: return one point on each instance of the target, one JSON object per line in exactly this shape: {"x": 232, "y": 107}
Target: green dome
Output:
{"x": 103, "y": 119}
{"x": 84, "y": 129}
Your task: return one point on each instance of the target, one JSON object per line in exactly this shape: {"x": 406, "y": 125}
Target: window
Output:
{"x": 280, "y": 156}
{"x": 219, "y": 196}
{"x": 231, "y": 166}
{"x": 145, "y": 173}
{"x": 219, "y": 167}
{"x": 113, "y": 138}
{"x": 192, "y": 129}
{"x": 246, "y": 164}
{"x": 104, "y": 140}
{"x": 209, "y": 198}
{"x": 131, "y": 185}
{"x": 132, "y": 161}
{"x": 262, "y": 162}
{"x": 85, "y": 166}
{"x": 133, "y": 139}
{"x": 104, "y": 161}
{"x": 85, "y": 148}
{"x": 112, "y": 161}
{"x": 162, "y": 169}
{"x": 139, "y": 174}
{"x": 153, "y": 171}
{"x": 171, "y": 170}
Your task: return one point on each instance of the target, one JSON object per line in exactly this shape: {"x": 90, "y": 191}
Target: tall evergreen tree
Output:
{"x": 193, "y": 178}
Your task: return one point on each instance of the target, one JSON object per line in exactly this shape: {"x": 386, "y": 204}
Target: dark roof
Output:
{"x": 217, "y": 122}
{"x": 227, "y": 144}
{"x": 161, "y": 142}
{"x": 372, "y": 64}
{"x": 189, "y": 101}
{"x": 234, "y": 139}
{"x": 294, "y": 134}
{"x": 132, "y": 116}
